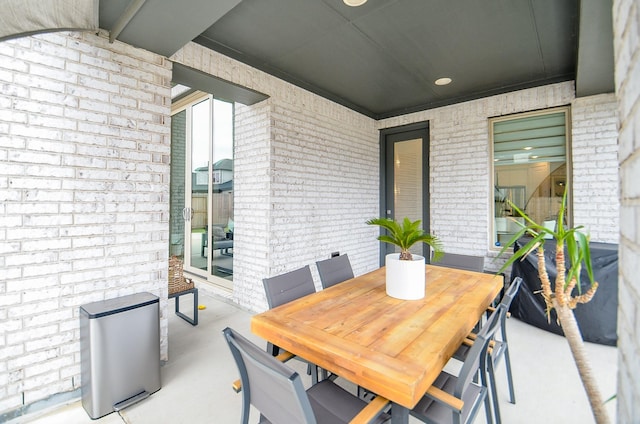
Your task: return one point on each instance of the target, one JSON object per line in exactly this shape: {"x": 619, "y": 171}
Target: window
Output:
{"x": 530, "y": 162}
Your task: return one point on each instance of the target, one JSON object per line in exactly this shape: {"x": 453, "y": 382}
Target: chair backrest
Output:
{"x": 334, "y": 270}
{"x": 511, "y": 292}
{"x": 269, "y": 385}
{"x": 476, "y": 358}
{"x": 466, "y": 262}
{"x": 289, "y": 286}
{"x": 506, "y": 300}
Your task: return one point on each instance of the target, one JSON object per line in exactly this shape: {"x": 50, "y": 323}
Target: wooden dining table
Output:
{"x": 394, "y": 348}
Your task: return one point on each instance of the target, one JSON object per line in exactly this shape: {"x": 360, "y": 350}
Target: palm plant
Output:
{"x": 406, "y": 235}
{"x": 562, "y": 297}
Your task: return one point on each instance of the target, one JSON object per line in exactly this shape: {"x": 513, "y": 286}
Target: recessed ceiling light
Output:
{"x": 354, "y": 3}
{"x": 528, "y": 148}
{"x": 443, "y": 81}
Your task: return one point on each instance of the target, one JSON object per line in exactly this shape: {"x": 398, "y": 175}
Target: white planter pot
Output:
{"x": 405, "y": 279}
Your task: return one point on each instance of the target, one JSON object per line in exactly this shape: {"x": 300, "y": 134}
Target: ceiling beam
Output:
{"x": 161, "y": 26}
{"x": 125, "y": 18}
{"x": 594, "y": 68}
{"x": 222, "y": 89}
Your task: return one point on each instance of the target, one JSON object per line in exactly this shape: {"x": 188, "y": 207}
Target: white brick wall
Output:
{"x": 626, "y": 21}
{"x": 594, "y": 135}
{"x": 306, "y": 179}
{"x": 297, "y": 131}
{"x": 95, "y": 223}
{"x": 84, "y": 145}
{"x": 460, "y": 164}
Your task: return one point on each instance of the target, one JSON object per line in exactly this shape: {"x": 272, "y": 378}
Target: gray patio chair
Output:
{"x": 457, "y": 399}
{"x": 467, "y": 262}
{"x": 277, "y": 392}
{"x": 284, "y": 288}
{"x": 334, "y": 270}
{"x": 499, "y": 348}
{"x": 289, "y": 286}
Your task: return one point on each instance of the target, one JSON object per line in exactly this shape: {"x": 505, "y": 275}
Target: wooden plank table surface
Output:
{"x": 395, "y": 348}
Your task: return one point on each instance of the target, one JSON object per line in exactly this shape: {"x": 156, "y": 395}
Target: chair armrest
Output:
{"x": 372, "y": 410}
{"x": 446, "y": 398}
{"x": 283, "y": 357}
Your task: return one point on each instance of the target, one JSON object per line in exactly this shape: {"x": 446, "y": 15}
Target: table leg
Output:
{"x": 399, "y": 414}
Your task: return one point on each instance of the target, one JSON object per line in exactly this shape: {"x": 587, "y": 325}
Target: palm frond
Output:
{"x": 406, "y": 234}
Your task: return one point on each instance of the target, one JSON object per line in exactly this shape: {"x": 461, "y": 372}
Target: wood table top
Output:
{"x": 395, "y": 348}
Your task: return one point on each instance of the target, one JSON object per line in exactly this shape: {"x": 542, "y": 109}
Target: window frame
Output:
{"x": 566, "y": 109}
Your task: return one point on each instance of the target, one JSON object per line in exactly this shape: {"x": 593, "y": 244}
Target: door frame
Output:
{"x": 187, "y": 103}
{"x": 388, "y": 136}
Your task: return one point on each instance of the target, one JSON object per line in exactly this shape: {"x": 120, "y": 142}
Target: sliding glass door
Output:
{"x": 202, "y": 187}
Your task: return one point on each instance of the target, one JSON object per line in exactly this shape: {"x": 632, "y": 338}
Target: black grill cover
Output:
{"x": 597, "y": 319}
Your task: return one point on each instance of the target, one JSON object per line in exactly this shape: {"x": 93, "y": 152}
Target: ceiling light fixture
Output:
{"x": 354, "y": 3}
{"x": 443, "y": 81}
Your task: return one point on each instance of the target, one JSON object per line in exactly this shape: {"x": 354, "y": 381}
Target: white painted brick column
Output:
{"x": 594, "y": 141}
{"x": 626, "y": 21}
{"x": 84, "y": 171}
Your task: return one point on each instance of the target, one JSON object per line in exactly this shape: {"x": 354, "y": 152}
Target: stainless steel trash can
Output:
{"x": 119, "y": 352}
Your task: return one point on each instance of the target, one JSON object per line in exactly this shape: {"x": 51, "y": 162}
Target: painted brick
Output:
{"x": 626, "y": 21}
{"x": 291, "y": 152}
{"x": 64, "y": 106}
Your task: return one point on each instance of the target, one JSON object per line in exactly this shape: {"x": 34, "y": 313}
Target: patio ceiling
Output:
{"x": 382, "y": 58}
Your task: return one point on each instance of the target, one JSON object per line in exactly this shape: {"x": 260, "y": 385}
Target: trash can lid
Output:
{"x": 116, "y": 305}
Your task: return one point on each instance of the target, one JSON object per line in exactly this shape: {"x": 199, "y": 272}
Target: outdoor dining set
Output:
{"x": 393, "y": 351}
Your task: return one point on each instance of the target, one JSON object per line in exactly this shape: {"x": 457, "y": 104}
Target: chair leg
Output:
{"x": 313, "y": 370}
{"x": 273, "y": 349}
{"x": 507, "y": 360}
{"x": 494, "y": 391}
{"x": 487, "y": 408}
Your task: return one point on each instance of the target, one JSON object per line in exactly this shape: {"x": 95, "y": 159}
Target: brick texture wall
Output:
{"x": 460, "y": 164}
{"x": 84, "y": 172}
{"x": 306, "y": 179}
{"x": 594, "y": 134}
{"x": 84, "y": 183}
{"x": 303, "y": 137}
{"x": 626, "y": 21}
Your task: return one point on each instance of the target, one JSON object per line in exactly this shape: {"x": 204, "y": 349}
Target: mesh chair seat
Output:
{"x": 439, "y": 413}
{"x": 332, "y": 404}
{"x": 434, "y": 408}
{"x": 277, "y": 392}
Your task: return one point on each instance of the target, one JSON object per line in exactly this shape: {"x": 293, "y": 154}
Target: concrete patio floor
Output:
{"x": 196, "y": 381}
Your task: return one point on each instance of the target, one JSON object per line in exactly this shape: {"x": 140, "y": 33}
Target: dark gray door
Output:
{"x": 405, "y": 173}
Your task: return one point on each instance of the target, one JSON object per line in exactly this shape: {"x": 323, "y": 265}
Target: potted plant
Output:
{"x": 405, "y": 272}
{"x": 562, "y": 297}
